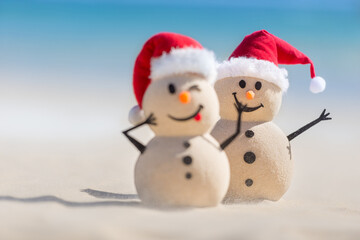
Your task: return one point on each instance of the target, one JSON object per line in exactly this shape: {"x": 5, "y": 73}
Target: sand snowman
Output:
{"x": 260, "y": 158}
{"x": 183, "y": 165}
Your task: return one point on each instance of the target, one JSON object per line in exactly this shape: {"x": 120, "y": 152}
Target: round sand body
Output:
{"x": 260, "y": 161}
{"x": 189, "y": 171}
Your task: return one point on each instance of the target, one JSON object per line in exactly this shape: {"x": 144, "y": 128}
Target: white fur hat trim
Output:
{"x": 252, "y": 67}
{"x": 184, "y": 60}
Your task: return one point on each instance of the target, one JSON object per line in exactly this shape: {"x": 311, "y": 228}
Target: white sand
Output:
{"x": 322, "y": 203}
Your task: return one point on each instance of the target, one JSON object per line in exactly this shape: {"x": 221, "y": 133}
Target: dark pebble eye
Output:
{"x": 258, "y": 85}
{"x": 242, "y": 84}
{"x": 172, "y": 89}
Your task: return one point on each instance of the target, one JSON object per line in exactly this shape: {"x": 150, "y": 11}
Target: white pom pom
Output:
{"x": 136, "y": 115}
{"x": 317, "y": 85}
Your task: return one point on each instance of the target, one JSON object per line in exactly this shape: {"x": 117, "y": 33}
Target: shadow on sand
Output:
{"x": 109, "y": 195}
{"x": 43, "y": 199}
{"x": 123, "y": 200}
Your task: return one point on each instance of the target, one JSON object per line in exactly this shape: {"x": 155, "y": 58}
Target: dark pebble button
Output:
{"x": 188, "y": 175}
{"x": 249, "y": 182}
{"x": 249, "y": 157}
{"x": 186, "y": 144}
{"x": 249, "y": 133}
{"x": 187, "y": 160}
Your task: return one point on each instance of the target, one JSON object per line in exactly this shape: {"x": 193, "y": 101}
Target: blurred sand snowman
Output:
{"x": 260, "y": 159}
{"x": 182, "y": 165}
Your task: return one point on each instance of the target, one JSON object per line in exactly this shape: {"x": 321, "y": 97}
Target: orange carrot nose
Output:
{"x": 250, "y": 95}
{"x": 185, "y": 97}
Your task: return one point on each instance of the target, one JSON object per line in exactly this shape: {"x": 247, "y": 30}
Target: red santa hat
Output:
{"x": 166, "y": 54}
{"x": 259, "y": 54}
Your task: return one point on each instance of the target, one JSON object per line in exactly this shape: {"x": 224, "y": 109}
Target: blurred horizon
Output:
{"x": 66, "y": 65}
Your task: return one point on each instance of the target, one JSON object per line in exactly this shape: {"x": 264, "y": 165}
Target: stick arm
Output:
{"x": 323, "y": 116}
{"x": 227, "y": 142}
{"x": 136, "y": 143}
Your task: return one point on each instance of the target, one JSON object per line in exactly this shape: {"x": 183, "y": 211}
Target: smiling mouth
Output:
{"x": 195, "y": 115}
{"x": 247, "y": 109}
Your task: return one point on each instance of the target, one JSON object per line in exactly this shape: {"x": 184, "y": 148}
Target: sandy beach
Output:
{"x": 43, "y": 182}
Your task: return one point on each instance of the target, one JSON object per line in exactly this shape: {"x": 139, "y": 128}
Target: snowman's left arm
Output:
{"x": 323, "y": 116}
{"x": 227, "y": 142}
{"x": 137, "y": 144}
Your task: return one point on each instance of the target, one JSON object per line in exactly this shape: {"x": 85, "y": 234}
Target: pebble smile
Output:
{"x": 247, "y": 109}
{"x": 196, "y": 115}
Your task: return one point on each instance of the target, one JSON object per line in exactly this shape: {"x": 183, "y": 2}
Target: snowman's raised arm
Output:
{"x": 239, "y": 107}
{"x": 323, "y": 116}
{"x": 150, "y": 120}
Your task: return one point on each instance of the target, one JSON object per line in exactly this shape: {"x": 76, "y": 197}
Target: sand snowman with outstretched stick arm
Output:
{"x": 260, "y": 159}
{"x": 182, "y": 166}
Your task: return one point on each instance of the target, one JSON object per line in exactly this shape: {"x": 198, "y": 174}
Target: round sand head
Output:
{"x": 183, "y": 105}
{"x": 261, "y": 97}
